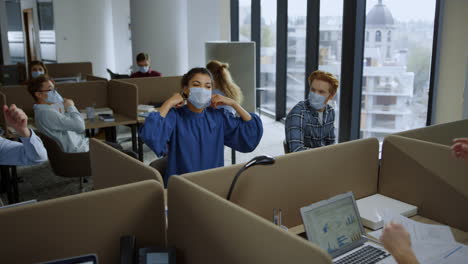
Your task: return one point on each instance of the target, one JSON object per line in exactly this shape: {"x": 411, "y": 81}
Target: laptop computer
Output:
{"x": 335, "y": 226}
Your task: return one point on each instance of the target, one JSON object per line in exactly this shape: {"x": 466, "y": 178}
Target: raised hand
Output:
{"x": 16, "y": 118}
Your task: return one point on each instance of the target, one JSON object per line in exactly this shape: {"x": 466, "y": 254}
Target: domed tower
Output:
{"x": 380, "y": 27}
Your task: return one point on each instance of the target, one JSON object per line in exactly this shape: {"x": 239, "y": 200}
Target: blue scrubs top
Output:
{"x": 194, "y": 141}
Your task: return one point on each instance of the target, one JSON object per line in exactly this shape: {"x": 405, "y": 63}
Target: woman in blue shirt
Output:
{"x": 193, "y": 134}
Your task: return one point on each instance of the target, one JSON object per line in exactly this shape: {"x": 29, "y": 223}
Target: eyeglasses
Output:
{"x": 46, "y": 91}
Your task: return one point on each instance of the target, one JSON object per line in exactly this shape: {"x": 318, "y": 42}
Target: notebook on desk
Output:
{"x": 335, "y": 226}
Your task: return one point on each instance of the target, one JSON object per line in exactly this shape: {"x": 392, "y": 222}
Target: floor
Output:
{"x": 40, "y": 183}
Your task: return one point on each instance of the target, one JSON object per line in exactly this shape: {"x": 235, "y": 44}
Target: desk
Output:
{"x": 109, "y": 127}
{"x": 459, "y": 235}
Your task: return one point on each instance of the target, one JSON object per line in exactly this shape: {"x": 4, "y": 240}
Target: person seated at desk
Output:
{"x": 36, "y": 69}
{"x": 310, "y": 124}
{"x": 144, "y": 70}
{"x": 67, "y": 128}
{"x": 224, "y": 85}
{"x": 30, "y": 150}
{"x": 193, "y": 135}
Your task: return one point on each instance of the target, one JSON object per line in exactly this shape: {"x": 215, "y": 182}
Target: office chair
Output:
{"x": 66, "y": 164}
{"x": 286, "y": 147}
{"x": 117, "y": 76}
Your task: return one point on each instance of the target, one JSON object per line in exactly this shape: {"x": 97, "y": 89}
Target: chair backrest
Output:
{"x": 286, "y": 147}
{"x": 91, "y": 222}
{"x": 66, "y": 164}
{"x": 111, "y": 167}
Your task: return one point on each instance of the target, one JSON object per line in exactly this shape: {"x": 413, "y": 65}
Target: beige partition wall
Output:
{"x": 85, "y": 94}
{"x": 123, "y": 98}
{"x": 298, "y": 179}
{"x": 155, "y": 89}
{"x": 241, "y": 59}
{"x": 19, "y": 95}
{"x": 426, "y": 175}
{"x": 441, "y": 134}
{"x": 111, "y": 167}
{"x": 208, "y": 229}
{"x": 60, "y": 70}
{"x": 91, "y": 222}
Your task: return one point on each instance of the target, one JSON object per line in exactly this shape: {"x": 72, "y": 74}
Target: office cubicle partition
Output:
{"x": 426, "y": 174}
{"x": 241, "y": 59}
{"x": 111, "y": 167}
{"x": 441, "y": 134}
{"x": 70, "y": 69}
{"x": 153, "y": 90}
{"x": 298, "y": 179}
{"x": 205, "y": 228}
{"x": 91, "y": 222}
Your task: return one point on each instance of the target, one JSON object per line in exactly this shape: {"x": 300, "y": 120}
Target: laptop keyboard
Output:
{"x": 365, "y": 255}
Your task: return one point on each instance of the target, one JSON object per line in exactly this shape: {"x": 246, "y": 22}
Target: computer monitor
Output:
{"x": 334, "y": 224}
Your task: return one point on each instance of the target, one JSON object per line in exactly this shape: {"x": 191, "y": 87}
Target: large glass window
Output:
{"x": 331, "y": 27}
{"x": 268, "y": 56}
{"x": 396, "y": 71}
{"x": 245, "y": 18}
{"x": 297, "y": 18}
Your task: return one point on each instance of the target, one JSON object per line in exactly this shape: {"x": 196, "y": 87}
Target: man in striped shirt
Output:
{"x": 310, "y": 124}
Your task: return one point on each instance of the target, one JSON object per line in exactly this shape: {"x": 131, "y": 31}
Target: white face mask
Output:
{"x": 143, "y": 69}
{"x": 199, "y": 97}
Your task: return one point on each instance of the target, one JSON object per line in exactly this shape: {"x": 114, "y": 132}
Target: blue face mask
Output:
{"x": 36, "y": 74}
{"x": 200, "y": 97}
{"x": 143, "y": 69}
{"x": 317, "y": 101}
{"x": 53, "y": 97}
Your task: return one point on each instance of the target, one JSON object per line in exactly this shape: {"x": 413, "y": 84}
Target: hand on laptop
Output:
{"x": 460, "y": 148}
{"x": 398, "y": 242}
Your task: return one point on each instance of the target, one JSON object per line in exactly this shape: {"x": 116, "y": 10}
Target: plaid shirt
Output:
{"x": 304, "y": 131}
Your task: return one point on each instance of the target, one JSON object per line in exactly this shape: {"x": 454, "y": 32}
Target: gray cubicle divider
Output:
{"x": 241, "y": 59}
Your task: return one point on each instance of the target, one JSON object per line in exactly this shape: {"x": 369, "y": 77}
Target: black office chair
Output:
{"x": 117, "y": 76}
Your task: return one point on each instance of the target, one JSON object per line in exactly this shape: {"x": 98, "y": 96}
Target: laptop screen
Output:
{"x": 333, "y": 225}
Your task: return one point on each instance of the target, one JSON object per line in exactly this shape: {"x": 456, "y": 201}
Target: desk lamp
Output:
{"x": 259, "y": 160}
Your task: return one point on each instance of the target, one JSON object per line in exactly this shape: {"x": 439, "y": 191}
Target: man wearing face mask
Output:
{"x": 144, "y": 70}
{"x": 66, "y": 128}
{"x": 310, "y": 124}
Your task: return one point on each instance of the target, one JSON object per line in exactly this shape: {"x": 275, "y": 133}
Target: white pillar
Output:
{"x": 84, "y": 32}
{"x": 159, "y": 28}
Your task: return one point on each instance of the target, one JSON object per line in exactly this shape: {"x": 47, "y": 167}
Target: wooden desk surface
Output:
{"x": 120, "y": 120}
{"x": 459, "y": 235}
